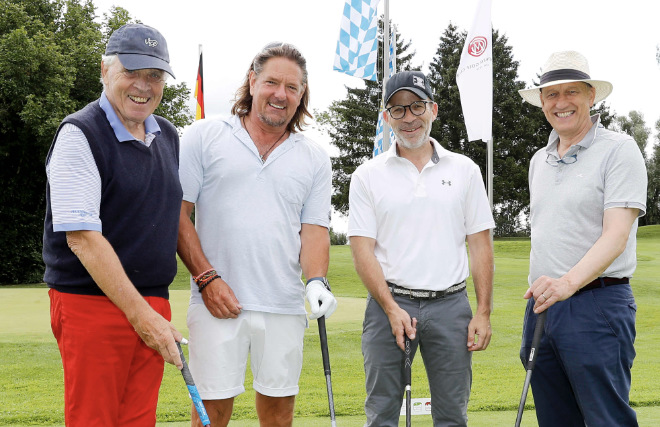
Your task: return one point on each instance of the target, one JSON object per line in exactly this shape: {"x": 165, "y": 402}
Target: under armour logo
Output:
{"x": 150, "y": 42}
{"x": 446, "y": 182}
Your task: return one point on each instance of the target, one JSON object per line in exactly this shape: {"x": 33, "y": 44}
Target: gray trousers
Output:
{"x": 442, "y": 339}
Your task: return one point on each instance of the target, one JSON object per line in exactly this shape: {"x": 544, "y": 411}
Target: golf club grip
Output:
{"x": 192, "y": 389}
{"x": 324, "y": 345}
{"x": 407, "y": 364}
{"x": 536, "y": 339}
{"x": 407, "y": 377}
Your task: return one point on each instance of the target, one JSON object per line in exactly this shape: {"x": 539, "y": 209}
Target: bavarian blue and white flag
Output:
{"x": 378, "y": 141}
{"x": 357, "y": 47}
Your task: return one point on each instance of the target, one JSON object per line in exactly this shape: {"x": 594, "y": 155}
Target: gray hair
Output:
{"x": 108, "y": 60}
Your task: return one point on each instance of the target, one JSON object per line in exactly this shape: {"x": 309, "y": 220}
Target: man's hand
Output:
{"x": 321, "y": 301}
{"x": 480, "y": 327}
{"x": 401, "y": 324}
{"x": 220, "y": 300}
{"x": 159, "y": 334}
{"x": 547, "y": 291}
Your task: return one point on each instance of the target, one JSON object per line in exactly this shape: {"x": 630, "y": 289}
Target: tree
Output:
{"x": 653, "y": 192}
{"x": 351, "y": 125}
{"x": 635, "y": 126}
{"x": 50, "y": 52}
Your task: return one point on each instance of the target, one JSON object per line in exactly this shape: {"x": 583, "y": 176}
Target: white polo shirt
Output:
{"x": 419, "y": 219}
{"x": 248, "y": 214}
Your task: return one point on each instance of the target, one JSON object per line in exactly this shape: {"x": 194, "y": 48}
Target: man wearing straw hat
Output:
{"x": 587, "y": 189}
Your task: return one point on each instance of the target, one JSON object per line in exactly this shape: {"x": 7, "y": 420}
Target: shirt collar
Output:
{"x": 237, "y": 129}
{"x": 438, "y": 152}
{"x": 122, "y": 134}
{"x": 553, "y": 140}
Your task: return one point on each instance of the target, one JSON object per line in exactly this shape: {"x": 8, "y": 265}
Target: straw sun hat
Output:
{"x": 566, "y": 67}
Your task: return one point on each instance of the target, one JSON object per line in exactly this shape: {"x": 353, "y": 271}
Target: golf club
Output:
{"x": 192, "y": 389}
{"x": 326, "y": 368}
{"x": 407, "y": 375}
{"x": 531, "y": 361}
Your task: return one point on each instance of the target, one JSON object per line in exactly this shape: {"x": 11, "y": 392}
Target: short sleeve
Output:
{"x": 191, "y": 168}
{"x": 316, "y": 208}
{"x": 74, "y": 182}
{"x": 626, "y": 179}
{"x": 362, "y": 215}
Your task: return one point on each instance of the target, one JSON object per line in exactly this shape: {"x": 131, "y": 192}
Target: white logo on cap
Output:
{"x": 150, "y": 42}
{"x": 418, "y": 81}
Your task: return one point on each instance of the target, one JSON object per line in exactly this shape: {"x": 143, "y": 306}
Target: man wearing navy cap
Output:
{"x": 110, "y": 235}
{"x": 411, "y": 210}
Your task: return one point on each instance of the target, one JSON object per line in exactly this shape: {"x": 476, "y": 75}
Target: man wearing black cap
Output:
{"x": 411, "y": 211}
{"x": 587, "y": 189}
{"x": 110, "y": 237}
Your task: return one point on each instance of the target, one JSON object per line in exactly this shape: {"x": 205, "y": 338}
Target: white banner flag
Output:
{"x": 475, "y": 76}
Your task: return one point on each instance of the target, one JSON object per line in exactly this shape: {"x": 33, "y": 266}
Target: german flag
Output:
{"x": 199, "y": 89}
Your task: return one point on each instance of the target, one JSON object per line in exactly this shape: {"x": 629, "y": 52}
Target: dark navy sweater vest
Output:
{"x": 140, "y": 205}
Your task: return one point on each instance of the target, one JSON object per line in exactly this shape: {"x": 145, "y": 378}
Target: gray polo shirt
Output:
{"x": 567, "y": 201}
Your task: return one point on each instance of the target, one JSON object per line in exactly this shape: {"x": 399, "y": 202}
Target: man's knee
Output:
{"x": 275, "y": 411}
{"x": 219, "y": 412}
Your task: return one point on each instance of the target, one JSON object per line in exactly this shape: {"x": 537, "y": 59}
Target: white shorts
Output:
{"x": 219, "y": 351}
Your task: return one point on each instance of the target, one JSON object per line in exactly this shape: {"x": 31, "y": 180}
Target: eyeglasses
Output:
{"x": 417, "y": 108}
{"x": 567, "y": 160}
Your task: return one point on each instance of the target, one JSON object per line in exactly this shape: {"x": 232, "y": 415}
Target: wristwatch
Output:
{"x": 323, "y": 280}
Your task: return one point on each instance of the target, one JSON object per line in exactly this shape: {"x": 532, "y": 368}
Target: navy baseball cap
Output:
{"x": 139, "y": 46}
{"x": 414, "y": 81}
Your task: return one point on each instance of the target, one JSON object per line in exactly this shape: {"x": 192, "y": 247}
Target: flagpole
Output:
{"x": 386, "y": 69}
{"x": 490, "y": 173}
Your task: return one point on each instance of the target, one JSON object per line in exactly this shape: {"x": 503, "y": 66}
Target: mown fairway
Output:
{"x": 31, "y": 373}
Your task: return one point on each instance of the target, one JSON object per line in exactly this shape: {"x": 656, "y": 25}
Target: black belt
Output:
{"x": 602, "y": 282}
{"x": 423, "y": 294}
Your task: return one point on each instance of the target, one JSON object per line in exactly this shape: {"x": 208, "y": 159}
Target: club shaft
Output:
{"x": 331, "y": 402}
{"x": 531, "y": 361}
{"x": 408, "y": 406}
{"x": 523, "y": 397}
{"x": 326, "y": 367}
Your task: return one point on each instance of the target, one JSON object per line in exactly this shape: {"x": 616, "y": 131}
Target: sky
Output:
{"x": 619, "y": 39}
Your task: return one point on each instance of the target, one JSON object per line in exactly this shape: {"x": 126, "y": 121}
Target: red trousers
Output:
{"x": 111, "y": 377}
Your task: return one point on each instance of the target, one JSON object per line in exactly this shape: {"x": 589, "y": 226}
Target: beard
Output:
{"x": 274, "y": 122}
{"x": 405, "y": 142}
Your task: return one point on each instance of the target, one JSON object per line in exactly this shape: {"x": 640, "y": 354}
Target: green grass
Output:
{"x": 31, "y": 390}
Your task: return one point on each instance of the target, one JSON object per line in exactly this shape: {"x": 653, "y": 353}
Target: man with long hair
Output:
{"x": 261, "y": 193}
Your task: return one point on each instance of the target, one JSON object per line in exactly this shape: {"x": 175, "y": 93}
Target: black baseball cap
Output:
{"x": 414, "y": 81}
{"x": 139, "y": 46}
